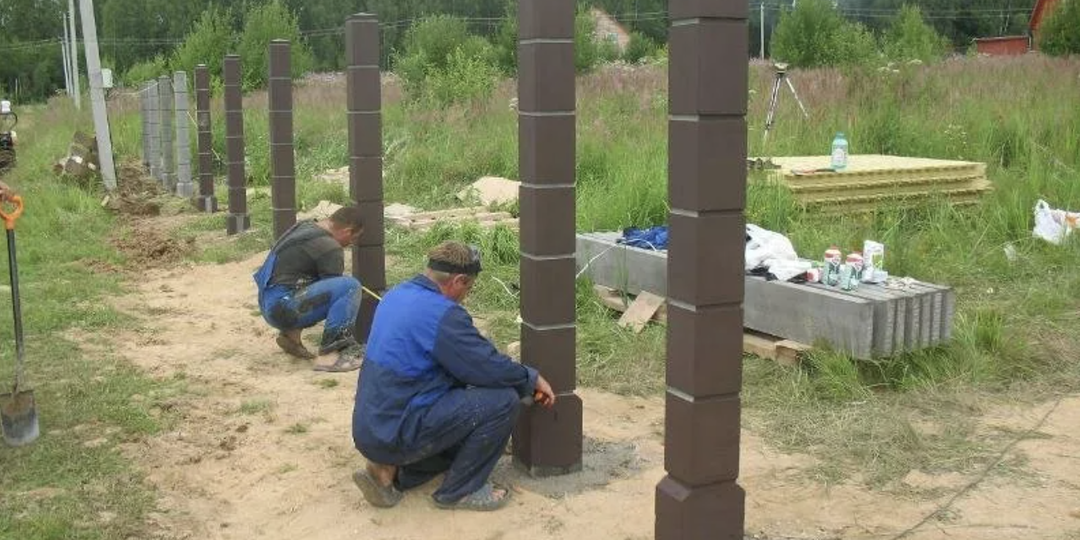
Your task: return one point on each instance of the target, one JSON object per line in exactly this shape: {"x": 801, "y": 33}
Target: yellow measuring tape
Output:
{"x": 371, "y": 292}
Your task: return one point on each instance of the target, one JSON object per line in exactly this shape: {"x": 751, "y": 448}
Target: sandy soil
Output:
{"x": 263, "y": 450}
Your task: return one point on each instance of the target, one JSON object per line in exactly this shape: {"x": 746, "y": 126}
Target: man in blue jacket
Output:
{"x": 434, "y": 395}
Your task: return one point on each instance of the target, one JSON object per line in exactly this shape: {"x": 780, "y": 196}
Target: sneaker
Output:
{"x": 349, "y": 359}
{"x": 333, "y": 341}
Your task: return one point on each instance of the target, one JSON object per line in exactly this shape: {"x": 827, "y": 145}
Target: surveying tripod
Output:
{"x": 781, "y": 77}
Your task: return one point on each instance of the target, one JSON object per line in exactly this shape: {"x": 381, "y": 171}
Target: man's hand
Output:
{"x": 544, "y": 395}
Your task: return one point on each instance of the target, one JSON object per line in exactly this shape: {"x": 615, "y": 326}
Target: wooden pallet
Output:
{"x": 782, "y": 351}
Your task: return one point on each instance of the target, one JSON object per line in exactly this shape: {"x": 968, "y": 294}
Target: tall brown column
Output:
{"x": 205, "y": 200}
{"x": 699, "y": 497}
{"x": 365, "y": 159}
{"x": 238, "y": 220}
{"x": 282, "y": 157}
{"x": 547, "y": 441}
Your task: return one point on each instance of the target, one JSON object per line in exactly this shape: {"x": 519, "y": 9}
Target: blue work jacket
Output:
{"x": 422, "y": 345}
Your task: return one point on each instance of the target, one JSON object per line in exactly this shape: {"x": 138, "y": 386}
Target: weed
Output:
{"x": 256, "y": 406}
{"x": 298, "y": 428}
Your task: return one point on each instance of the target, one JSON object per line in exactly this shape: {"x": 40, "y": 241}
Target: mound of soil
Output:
{"x": 137, "y": 194}
{"x": 146, "y": 247}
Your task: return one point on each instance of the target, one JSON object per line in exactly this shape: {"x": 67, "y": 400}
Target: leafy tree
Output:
{"x": 208, "y": 43}
{"x": 910, "y": 38}
{"x": 1060, "y": 31}
{"x": 262, "y": 24}
{"x": 814, "y": 34}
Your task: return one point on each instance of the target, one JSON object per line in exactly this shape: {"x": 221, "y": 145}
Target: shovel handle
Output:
{"x": 10, "y": 217}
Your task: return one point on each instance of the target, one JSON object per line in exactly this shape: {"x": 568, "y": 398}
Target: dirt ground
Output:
{"x": 263, "y": 450}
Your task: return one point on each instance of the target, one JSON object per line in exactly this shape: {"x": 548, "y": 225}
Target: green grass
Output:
{"x": 73, "y": 482}
{"x": 298, "y": 428}
{"x": 256, "y": 406}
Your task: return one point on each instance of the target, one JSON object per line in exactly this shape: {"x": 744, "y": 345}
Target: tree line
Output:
{"x": 134, "y": 32}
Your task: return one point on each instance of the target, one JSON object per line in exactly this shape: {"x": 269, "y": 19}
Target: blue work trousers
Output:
{"x": 336, "y": 300}
{"x": 463, "y": 434}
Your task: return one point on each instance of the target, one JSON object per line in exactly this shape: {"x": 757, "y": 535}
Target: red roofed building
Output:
{"x": 1007, "y": 45}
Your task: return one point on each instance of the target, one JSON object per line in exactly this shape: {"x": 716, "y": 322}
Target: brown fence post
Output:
{"x": 237, "y": 220}
{"x": 708, "y": 76}
{"x": 205, "y": 201}
{"x": 365, "y": 159}
{"x": 548, "y": 441}
{"x": 282, "y": 158}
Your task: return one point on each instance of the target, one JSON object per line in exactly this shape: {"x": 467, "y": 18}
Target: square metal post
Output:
{"x": 708, "y": 77}
{"x": 205, "y": 201}
{"x": 548, "y": 441}
{"x": 282, "y": 158}
{"x": 365, "y": 159}
{"x": 168, "y": 150}
{"x": 237, "y": 220}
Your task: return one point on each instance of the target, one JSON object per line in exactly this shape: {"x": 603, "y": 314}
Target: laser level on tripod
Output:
{"x": 781, "y": 78}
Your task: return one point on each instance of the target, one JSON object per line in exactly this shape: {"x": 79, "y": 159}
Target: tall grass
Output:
{"x": 74, "y": 474}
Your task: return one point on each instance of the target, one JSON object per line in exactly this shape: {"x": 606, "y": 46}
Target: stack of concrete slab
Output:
{"x": 869, "y": 322}
{"x": 875, "y": 181}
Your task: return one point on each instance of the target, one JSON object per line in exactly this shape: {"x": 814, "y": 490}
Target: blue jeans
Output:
{"x": 463, "y": 434}
{"x": 336, "y": 300}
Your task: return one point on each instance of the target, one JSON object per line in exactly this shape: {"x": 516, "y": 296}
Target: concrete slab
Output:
{"x": 870, "y": 321}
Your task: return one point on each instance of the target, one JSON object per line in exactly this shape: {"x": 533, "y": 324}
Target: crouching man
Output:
{"x": 302, "y": 283}
{"x": 433, "y": 395}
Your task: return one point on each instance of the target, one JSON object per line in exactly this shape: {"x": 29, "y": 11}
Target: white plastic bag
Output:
{"x": 774, "y": 252}
{"x": 1053, "y": 225}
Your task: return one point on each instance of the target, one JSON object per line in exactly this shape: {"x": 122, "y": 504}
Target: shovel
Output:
{"x": 18, "y": 415}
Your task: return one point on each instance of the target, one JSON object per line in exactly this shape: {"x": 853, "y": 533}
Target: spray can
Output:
{"x": 831, "y": 273}
{"x": 855, "y": 261}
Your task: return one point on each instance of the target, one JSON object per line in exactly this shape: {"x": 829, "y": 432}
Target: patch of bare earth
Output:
{"x": 263, "y": 450}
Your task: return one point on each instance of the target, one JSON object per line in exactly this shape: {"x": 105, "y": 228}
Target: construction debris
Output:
{"x": 783, "y": 351}
{"x": 491, "y": 190}
{"x": 641, "y": 311}
{"x": 81, "y": 160}
{"x": 322, "y": 210}
{"x": 421, "y": 221}
{"x": 335, "y": 176}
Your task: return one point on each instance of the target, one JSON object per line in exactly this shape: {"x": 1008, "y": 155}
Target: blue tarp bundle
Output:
{"x": 655, "y": 238}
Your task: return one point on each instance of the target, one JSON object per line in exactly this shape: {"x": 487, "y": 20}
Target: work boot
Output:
{"x": 336, "y": 340}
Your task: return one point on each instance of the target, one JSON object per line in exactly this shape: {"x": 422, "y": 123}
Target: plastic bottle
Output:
{"x": 839, "y": 152}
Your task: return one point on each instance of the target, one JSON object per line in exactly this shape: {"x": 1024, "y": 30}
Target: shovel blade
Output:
{"x": 18, "y": 417}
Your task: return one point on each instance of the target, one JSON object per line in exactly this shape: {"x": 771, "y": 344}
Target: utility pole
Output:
{"x": 762, "y": 29}
{"x": 64, "y": 59}
{"x": 73, "y": 55}
{"x": 97, "y": 94}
